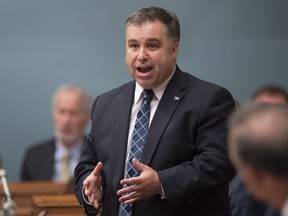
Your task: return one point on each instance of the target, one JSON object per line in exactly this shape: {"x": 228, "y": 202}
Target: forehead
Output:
{"x": 69, "y": 99}
{"x": 155, "y": 28}
{"x": 271, "y": 99}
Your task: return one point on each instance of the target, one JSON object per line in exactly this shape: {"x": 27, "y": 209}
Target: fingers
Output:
{"x": 130, "y": 194}
{"x": 93, "y": 195}
{"x": 130, "y": 181}
{"x": 93, "y": 201}
{"x": 128, "y": 190}
{"x": 141, "y": 187}
{"x": 94, "y": 177}
{"x": 92, "y": 186}
{"x": 135, "y": 180}
{"x": 96, "y": 204}
{"x": 130, "y": 197}
{"x": 132, "y": 184}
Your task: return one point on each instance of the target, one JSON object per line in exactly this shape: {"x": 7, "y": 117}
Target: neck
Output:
{"x": 69, "y": 143}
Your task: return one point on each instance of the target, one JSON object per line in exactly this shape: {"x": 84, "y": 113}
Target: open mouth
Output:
{"x": 144, "y": 69}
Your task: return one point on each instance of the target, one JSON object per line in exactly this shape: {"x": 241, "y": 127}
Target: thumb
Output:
{"x": 97, "y": 169}
{"x": 138, "y": 165}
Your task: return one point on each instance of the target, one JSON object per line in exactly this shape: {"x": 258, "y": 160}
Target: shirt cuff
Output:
{"x": 162, "y": 194}
{"x": 86, "y": 199}
{"x": 84, "y": 196}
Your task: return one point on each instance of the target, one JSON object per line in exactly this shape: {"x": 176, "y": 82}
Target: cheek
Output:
{"x": 158, "y": 57}
{"x": 58, "y": 120}
{"x": 130, "y": 57}
{"x": 79, "y": 123}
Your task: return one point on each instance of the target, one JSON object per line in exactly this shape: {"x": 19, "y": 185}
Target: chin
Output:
{"x": 67, "y": 138}
{"x": 144, "y": 84}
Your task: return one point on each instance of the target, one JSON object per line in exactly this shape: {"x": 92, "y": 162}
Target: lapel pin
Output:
{"x": 176, "y": 98}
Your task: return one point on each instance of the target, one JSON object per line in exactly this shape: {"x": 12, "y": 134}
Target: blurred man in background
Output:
{"x": 272, "y": 94}
{"x": 56, "y": 158}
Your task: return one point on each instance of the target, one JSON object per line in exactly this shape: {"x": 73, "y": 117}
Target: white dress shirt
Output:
{"x": 158, "y": 92}
{"x": 74, "y": 153}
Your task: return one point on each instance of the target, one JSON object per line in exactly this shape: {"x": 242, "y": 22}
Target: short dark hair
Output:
{"x": 151, "y": 14}
{"x": 272, "y": 90}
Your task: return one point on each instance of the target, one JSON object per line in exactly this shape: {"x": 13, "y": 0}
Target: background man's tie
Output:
{"x": 65, "y": 173}
{"x": 138, "y": 139}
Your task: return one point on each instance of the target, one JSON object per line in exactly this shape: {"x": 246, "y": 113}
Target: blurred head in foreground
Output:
{"x": 258, "y": 147}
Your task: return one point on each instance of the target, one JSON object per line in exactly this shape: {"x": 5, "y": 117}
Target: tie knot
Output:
{"x": 147, "y": 94}
{"x": 66, "y": 156}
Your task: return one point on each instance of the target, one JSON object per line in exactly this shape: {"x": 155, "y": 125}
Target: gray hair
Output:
{"x": 77, "y": 90}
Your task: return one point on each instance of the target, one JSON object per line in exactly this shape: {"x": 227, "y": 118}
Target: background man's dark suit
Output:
{"x": 186, "y": 145}
{"x": 38, "y": 163}
{"x": 241, "y": 201}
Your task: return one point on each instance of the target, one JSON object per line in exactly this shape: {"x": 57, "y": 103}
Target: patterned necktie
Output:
{"x": 138, "y": 139}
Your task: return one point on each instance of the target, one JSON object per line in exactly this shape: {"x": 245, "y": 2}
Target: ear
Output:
{"x": 175, "y": 49}
{"x": 254, "y": 175}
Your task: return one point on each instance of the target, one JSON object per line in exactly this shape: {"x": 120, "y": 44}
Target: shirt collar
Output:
{"x": 73, "y": 151}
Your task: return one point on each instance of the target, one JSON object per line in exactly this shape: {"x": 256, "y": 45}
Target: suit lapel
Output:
{"x": 170, "y": 100}
{"x": 50, "y": 160}
{"x": 121, "y": 119}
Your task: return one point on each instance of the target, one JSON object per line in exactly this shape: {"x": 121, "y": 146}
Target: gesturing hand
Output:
{"x": 92, "y": 186}
{"x": 141, "y": 187}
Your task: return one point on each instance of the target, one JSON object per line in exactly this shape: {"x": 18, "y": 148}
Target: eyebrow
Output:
{"x": 153, "y": 40}
{"x": 147, "y": 40}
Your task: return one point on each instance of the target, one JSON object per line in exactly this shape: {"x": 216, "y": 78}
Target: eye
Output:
{"x": 133, "y": 45}
{"x": 61, "y": 111}
{"x": 153, "y": 46}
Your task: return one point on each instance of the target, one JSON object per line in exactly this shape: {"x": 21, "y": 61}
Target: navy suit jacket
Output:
{"x": 242, "y": 203}
{"x": 186, "y": 145}
{"x": 38, "y": 162}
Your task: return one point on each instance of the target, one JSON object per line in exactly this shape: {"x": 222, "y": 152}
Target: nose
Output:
{"x": 66, "y": 118}
{"x": 142, "y": 55}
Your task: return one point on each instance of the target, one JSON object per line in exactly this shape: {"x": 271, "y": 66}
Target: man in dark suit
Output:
{"x": 184, "y": 168}
{"x": 43, "y": 161}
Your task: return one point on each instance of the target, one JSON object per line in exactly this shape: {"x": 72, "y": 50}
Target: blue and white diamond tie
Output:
{"x": 138, "y": 139}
